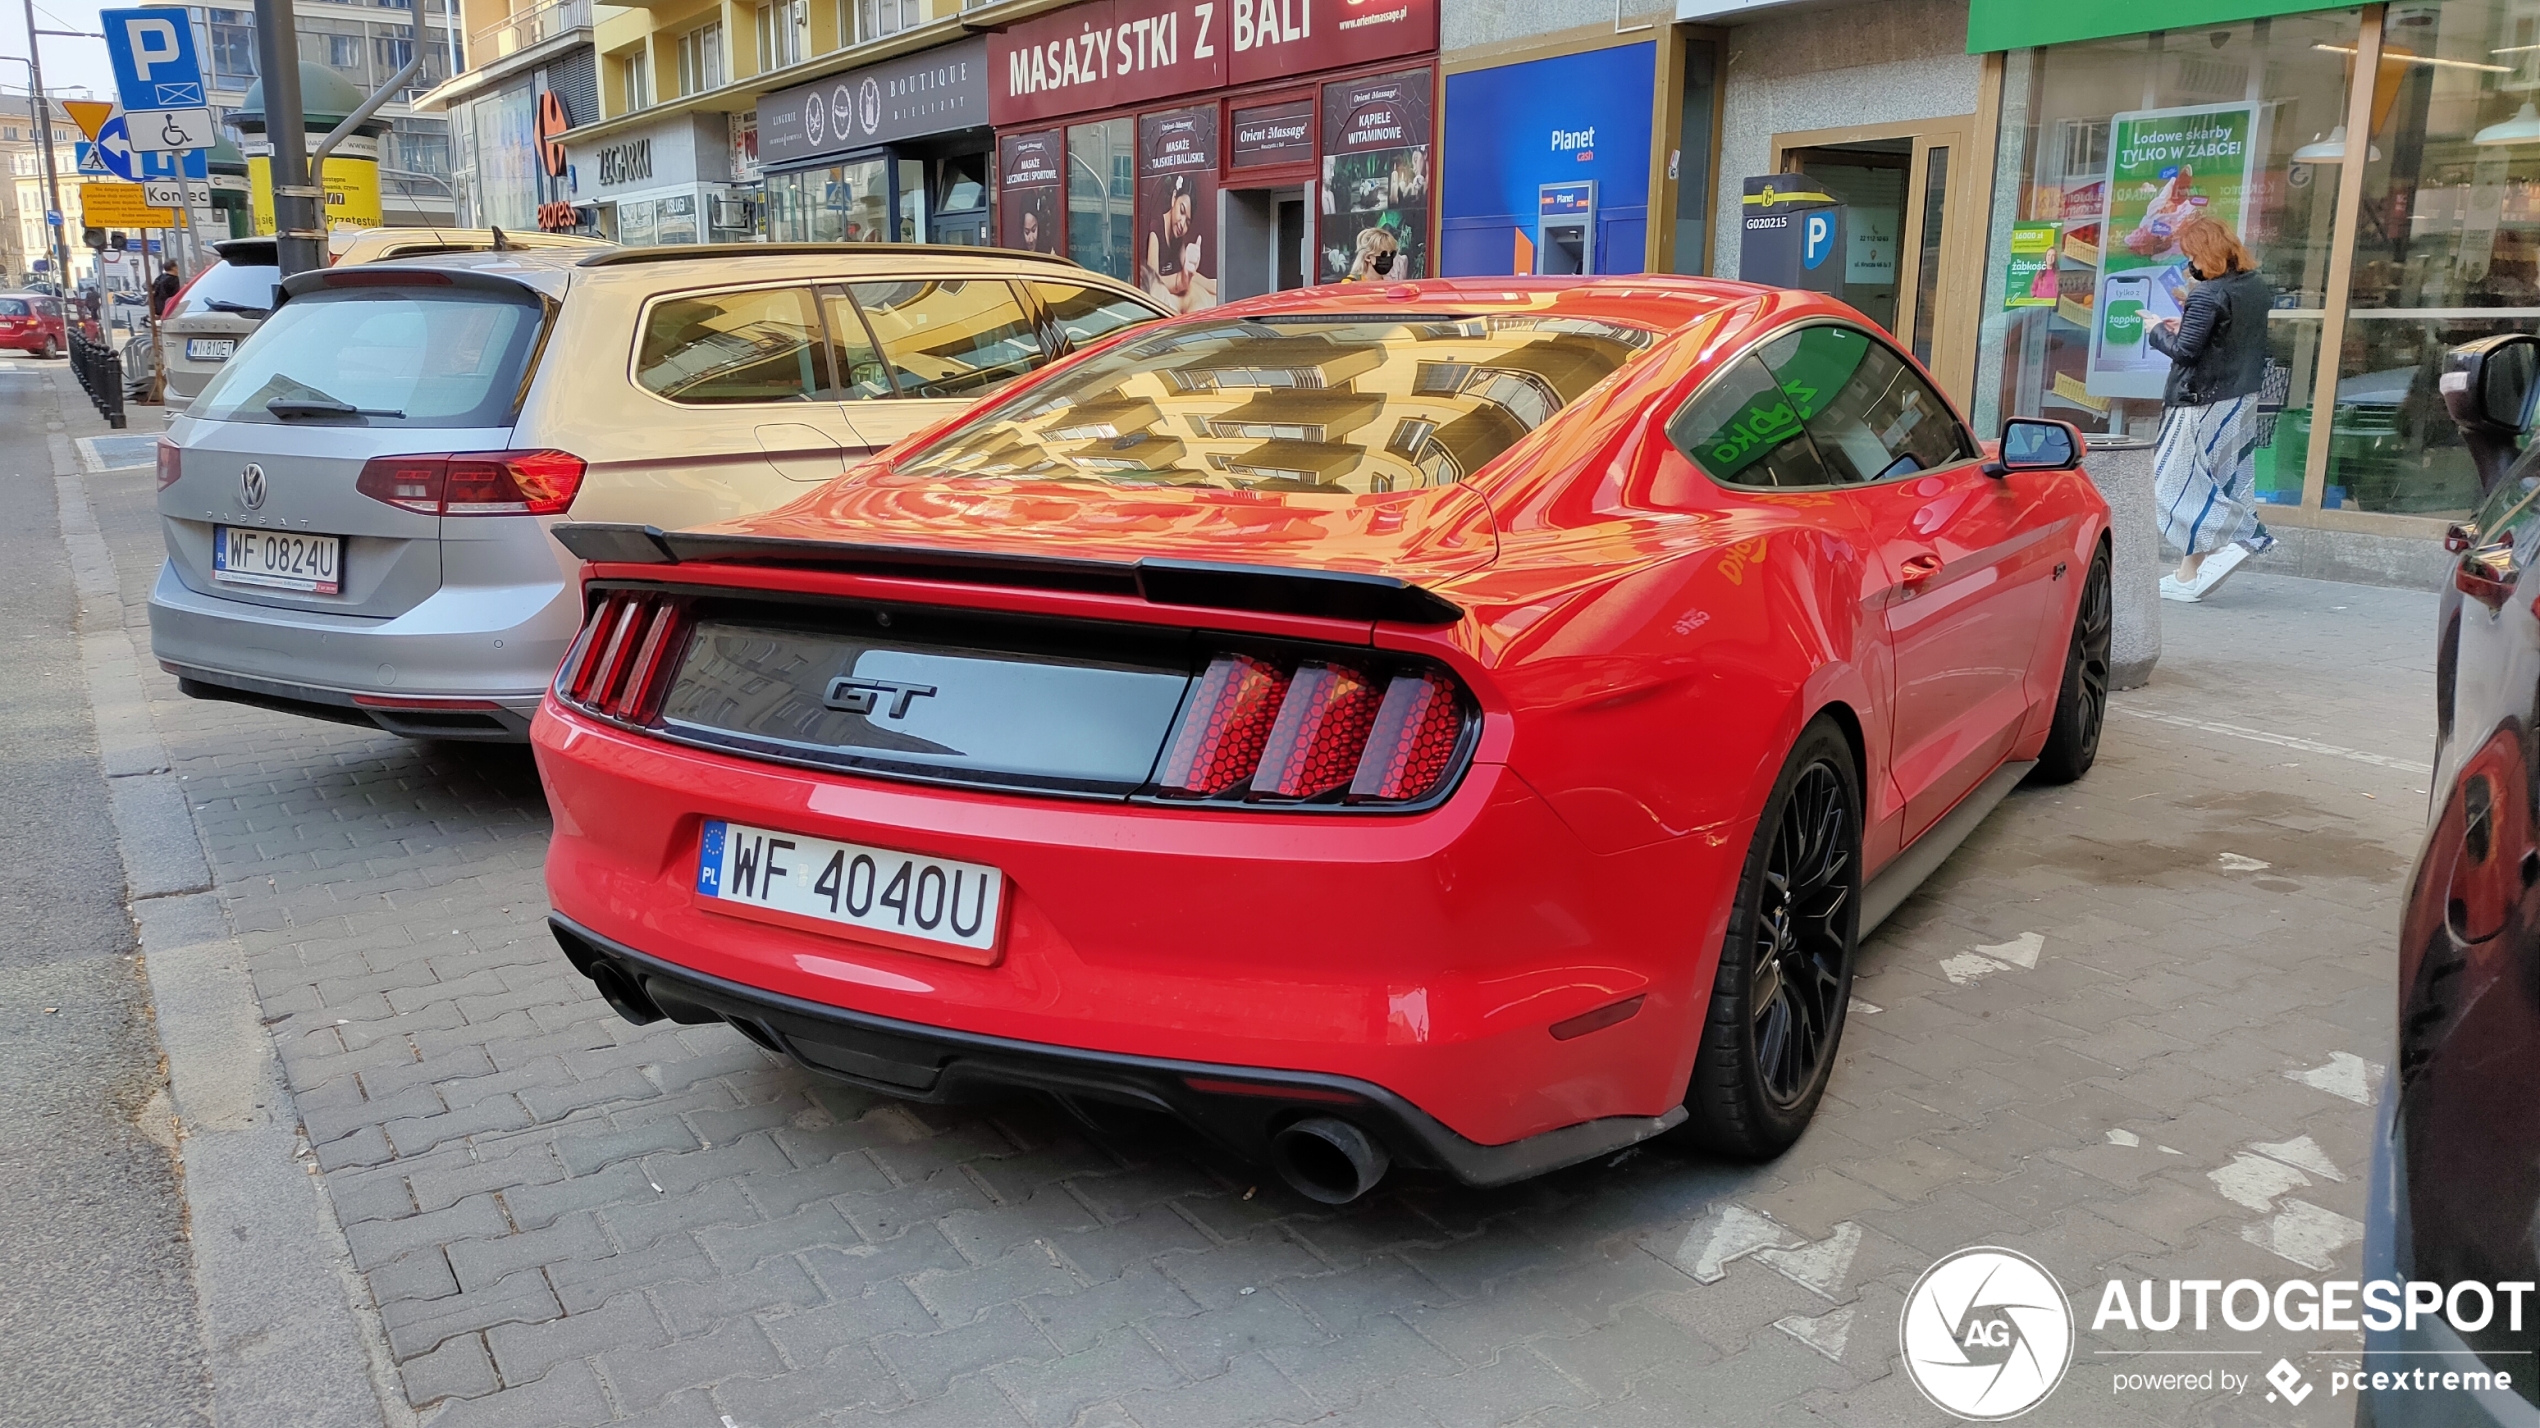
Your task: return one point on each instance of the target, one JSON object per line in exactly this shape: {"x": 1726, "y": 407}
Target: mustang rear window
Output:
{"x": 392, "y": 357}
{"x": 1293, "y": 404}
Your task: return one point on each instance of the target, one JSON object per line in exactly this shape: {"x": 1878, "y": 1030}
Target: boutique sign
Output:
{"x": 1111, "y": 53}
{"x": 931, "y": 92}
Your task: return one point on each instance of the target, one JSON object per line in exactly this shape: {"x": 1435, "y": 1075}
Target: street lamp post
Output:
{"x": 42, "y": 113}
{"x": 299, "y": 239}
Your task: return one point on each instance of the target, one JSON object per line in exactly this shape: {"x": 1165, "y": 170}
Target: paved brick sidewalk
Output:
{"x": 2127, "y": 1031}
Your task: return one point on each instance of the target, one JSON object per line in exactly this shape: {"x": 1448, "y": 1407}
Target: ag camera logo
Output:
{"x": 1986, "y": 1334}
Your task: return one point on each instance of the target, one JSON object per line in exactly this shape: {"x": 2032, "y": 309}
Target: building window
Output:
{"x": 634, "y": 81}
{"x": 233, "y": 43}
{"x": 784, "y": 34}
{"x": 701, "y": 59}
{"x": 876, "y": 18}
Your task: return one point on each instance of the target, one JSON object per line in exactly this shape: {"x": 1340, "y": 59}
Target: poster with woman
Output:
{"x": 1177, "y": 207}
{"x": 1376, "y": 175}
{"x": 1029, "y": 170}
{"x": 2165, "y": 167}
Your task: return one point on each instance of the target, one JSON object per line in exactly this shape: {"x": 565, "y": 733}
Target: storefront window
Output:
{"x": 846, "y": 204}
{"x": 2447, "y": 250}
{"x": 2108, "y": 146}
{"x": 1101, "y": 194}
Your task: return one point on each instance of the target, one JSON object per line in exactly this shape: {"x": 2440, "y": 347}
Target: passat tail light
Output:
{"x": 1325, "y": 731}
{"x": 475, "y": 483}
{"x": 170, "y": 466}
{"x": 621, "y": 665}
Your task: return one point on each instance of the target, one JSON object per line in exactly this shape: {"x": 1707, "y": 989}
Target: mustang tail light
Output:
{"x": 621, "y": 665}
{"x": 1411, "y": 742}
{"x": 475, "y": 483}
{"x": 1323, "y": 728}
{"x": 1221, "y": 735}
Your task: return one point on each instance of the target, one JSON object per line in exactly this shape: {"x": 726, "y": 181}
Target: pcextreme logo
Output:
{"x": 1986, "y": 1334}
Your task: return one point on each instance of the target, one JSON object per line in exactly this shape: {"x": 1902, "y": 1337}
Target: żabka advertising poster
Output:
{"x": 1177, "y": 207}
{"x": 1376, "y": 170}
{"x": 2165, "y": 167}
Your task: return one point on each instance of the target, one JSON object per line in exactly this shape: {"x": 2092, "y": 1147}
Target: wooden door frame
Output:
{"x": 1958, "y": 292}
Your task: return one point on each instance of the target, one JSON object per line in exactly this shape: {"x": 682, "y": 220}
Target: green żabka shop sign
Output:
{"x": 2019, "y": 24}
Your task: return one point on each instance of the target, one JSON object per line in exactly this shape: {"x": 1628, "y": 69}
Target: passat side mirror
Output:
{"x": 2487, "y": 387}
{"x": 2035, "y": 444}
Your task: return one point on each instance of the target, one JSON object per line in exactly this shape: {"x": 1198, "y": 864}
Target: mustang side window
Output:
{"x": 950, "y": 339}
{"x": 1746, "y": 432}
{"x": 1871, "y": 415}
{"x": 725, "y": 348}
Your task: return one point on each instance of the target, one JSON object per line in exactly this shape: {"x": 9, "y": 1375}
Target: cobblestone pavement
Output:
{"x": 2129, "y": 1030}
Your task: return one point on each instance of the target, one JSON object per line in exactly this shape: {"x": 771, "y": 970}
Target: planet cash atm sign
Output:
{"x": 1112, "y": 53}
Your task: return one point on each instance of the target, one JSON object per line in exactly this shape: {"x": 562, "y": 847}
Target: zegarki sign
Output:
{"x": 1108, "y": 54}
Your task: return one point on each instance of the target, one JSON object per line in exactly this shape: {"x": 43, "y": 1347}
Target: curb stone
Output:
{"x": 290, "y": 1335}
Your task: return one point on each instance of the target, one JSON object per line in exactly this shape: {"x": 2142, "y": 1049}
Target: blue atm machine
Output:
{"x": 1565, "y": 228}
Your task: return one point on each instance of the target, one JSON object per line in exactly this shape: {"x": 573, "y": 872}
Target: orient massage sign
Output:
{"x": 1109, "y": 54}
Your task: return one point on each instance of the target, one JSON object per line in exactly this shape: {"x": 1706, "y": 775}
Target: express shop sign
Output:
{"x": 1113, "y": 53}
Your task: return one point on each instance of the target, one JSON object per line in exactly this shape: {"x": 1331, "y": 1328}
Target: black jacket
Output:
{"x": 2220, "y": 349}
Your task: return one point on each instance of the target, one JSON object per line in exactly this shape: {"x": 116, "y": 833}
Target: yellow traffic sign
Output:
{"x": 89, "y": 114}
{"x": 120, "y": 205}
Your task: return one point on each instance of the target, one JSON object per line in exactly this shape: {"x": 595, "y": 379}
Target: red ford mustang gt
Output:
{"x": 1467, "y": 724}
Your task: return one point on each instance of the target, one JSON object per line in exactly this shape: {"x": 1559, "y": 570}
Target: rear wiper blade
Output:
{"x": 225, "y": 305}
{"x": 289, "y": 407}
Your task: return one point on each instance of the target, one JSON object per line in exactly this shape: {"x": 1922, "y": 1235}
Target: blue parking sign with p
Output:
{"x": 153, "y": 53}
{"x": 1816, "y": 237}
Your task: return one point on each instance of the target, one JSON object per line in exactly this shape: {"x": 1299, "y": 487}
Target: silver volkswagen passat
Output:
{"x": 356, "y": 506}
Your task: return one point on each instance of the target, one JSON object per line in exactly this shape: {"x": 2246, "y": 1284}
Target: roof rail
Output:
{"x": 673, "y": 252}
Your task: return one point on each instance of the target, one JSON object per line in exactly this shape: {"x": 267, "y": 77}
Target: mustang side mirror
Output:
{"x": 2487, "y": 386}
{"x": 2035, "y": 444}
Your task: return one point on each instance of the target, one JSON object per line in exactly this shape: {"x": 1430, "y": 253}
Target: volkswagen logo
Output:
{"x": 251, "y": 486}
{"x": 1987, "y": 1334}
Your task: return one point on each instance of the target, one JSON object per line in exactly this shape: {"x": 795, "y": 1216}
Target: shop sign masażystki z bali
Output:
{"x": 1112, "y": 53}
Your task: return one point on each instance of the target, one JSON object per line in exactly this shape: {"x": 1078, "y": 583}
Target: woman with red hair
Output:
{"x": 2204, "y": 474}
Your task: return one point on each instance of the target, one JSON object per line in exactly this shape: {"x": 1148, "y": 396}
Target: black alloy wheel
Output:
{"x": 1778, "y": 1001}
{"x": 1802, "y": 936}
{"x": 2081, "y": 704}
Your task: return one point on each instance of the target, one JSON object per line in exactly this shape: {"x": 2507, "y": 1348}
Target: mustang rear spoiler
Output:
{"x": 1270, "y": 589}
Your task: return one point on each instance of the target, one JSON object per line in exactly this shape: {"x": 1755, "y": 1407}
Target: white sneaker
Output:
{"x": 2217, "y": 568}
{"x": 2174, "y": 589}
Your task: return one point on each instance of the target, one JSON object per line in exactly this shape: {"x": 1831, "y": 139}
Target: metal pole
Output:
{"x": 43, "y": 119}
{"x": 299, "y": 236}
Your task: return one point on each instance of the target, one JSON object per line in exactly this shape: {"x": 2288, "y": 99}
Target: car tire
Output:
{"x": 48, "y": 351}
{"x": 2081, "y": 700}
{"x": 1785, "y": 979}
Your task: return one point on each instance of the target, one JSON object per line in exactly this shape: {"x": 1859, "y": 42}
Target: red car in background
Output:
{"x": 1467, "y": 724}
{"x": 32, "y": 322}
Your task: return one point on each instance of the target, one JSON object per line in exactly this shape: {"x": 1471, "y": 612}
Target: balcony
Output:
{"x": 527, "y": 29}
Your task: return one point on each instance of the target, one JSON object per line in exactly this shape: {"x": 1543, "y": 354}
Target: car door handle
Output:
{"x": 1918, "y": 569}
